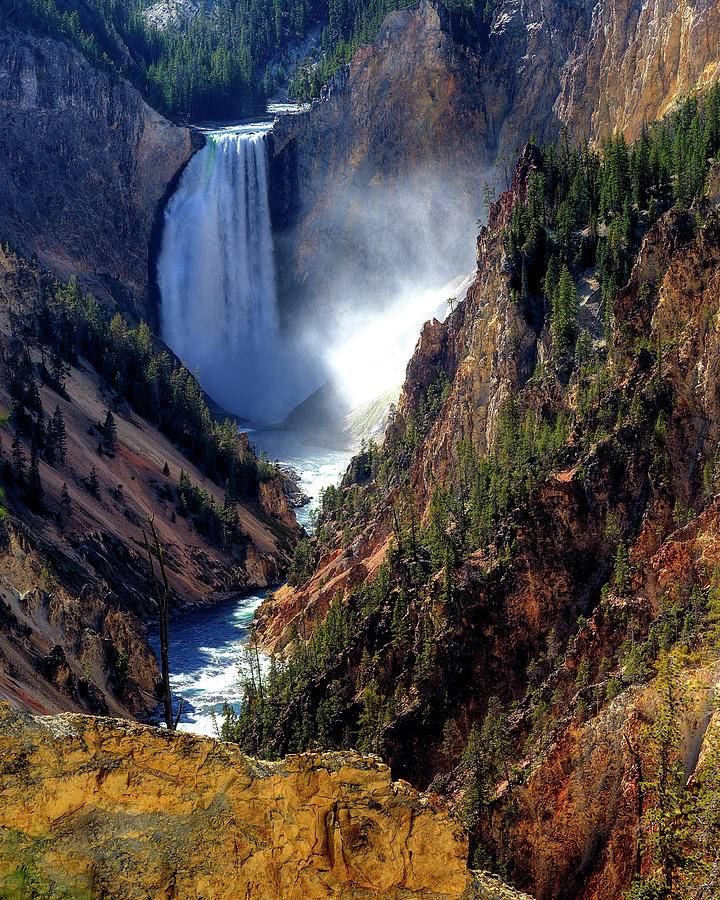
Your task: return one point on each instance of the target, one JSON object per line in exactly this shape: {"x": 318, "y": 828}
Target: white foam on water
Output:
{"x": 206, "y": 653}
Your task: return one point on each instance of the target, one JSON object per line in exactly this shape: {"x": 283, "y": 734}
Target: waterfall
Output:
{"x": 216, "y": 274}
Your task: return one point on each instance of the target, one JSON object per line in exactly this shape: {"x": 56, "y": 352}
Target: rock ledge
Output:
{"x": 132, "y": 811}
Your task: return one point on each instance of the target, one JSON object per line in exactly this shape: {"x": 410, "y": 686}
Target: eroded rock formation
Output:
{"x": 134, "y": 811}
{"x": 571, "y": 830}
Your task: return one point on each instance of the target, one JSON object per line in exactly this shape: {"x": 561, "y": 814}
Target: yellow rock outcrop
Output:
{"x": 131, "y": 811}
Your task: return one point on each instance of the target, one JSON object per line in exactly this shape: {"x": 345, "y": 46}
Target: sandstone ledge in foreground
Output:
{"x": 131, "y": 811}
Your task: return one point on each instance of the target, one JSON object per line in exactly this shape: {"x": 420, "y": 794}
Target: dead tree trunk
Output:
{"x": 162, "y": 593}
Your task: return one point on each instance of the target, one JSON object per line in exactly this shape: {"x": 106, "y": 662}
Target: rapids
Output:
{"x": 206, "y": 645}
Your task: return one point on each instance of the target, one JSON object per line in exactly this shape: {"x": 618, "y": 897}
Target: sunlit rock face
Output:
{"x": 635, "y": 62}
{"x": 374, "y": 187}
{"x": 133, "y": 811}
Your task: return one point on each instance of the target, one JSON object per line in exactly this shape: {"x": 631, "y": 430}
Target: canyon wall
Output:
{"x": 613, "y": 552}
{"x": 85, "y": 165}
{"x": 376, "y": 185}
{"x": 125, "y": 811}
{"x": 635, "y": 62}
{"x": 362, "y": 179}
{"x": 76, "y": 593}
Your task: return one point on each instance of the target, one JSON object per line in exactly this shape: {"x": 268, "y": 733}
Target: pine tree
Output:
{"x": 552, "y": 276}
{"x": 477, "y": 786}
{"x": 566, "y": 228}
{"x": 34, "y": 492}
{"x": 564, "y": 315}
{"x": 666, "y": 825}
{"x": 616, "y": 175}
{"x": 93, "y": 484}
{"x": 370, "y": 720}
{"x": 39, "y": 434}
{"x": 58, "y": 370}
{"x": 32, "y": 395}
{"x": 109, "y": 431}
{"x": 57, "y": 438}
{"x": 583, "y": 349}
{"x": 495, "y": 734}
{"x": 18, "y": 458}
{"x": 399, "y": 627}
{"x": 448, "y": 574}
{"x": 65, "y": 498}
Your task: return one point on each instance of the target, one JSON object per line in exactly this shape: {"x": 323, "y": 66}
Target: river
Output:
{"x": 220, "y": 312}
{"x": 206, "y": 645}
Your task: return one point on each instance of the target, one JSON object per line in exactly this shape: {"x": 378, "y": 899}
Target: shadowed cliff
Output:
{"x": 85, "y": 165}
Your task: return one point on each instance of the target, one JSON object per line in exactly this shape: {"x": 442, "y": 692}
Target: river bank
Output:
{"x": 207, "y": 645}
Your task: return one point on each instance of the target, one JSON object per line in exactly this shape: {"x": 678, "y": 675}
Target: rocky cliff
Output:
{"x": 572, "y": 828}
{"x": 67, "y": 641}
{"x": 374, "y": 186}
{"x": 129, "y": 811}
{"x": 85, "y": 166}
{"x": 361, "y": 180}
{"x": 605, "y": 555}
{"x": 486, "y": 351}
{"x": 75, "y": 586}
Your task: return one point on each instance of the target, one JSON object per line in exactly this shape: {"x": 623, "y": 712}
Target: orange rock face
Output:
{"x": 132, "y": 811}
{"x": 575, "y": 826}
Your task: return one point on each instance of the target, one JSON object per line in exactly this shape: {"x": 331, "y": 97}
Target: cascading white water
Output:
{"x": 219, "y": 312}
{"x": 216, "y": 274}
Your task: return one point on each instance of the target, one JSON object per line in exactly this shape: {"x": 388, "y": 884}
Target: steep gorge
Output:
{"x": 538, "y": 615}
{"x": 605, "y": 562}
